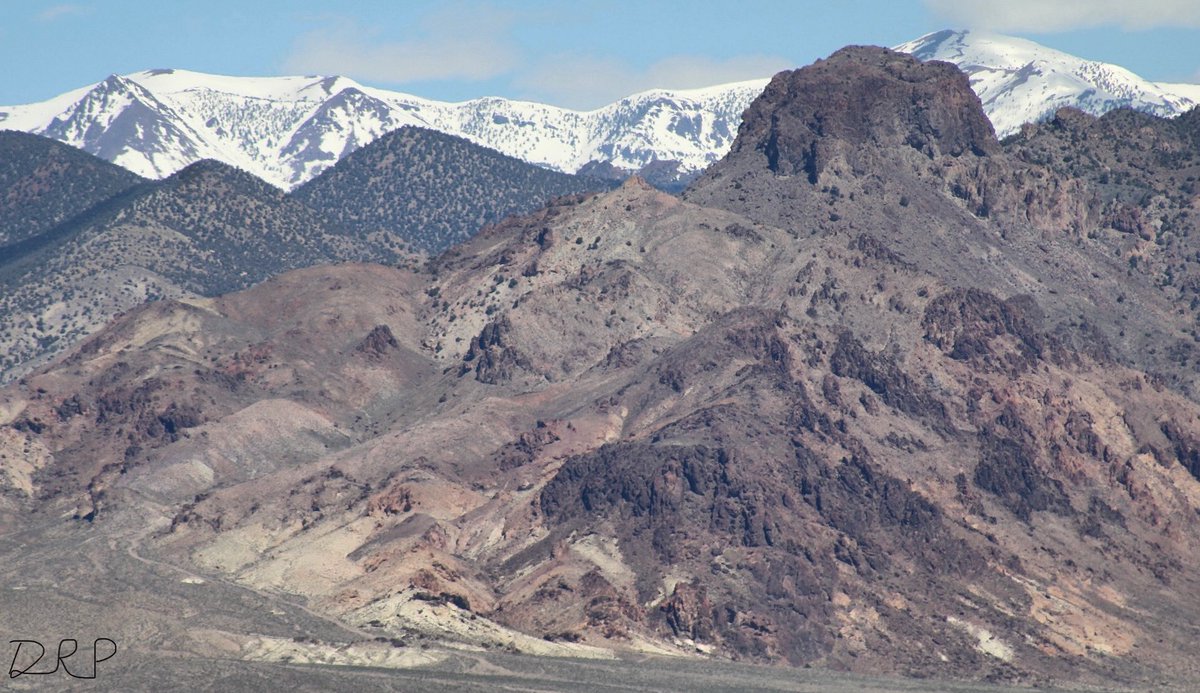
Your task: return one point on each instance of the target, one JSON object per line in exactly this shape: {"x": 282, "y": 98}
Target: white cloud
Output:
{"x": 590, "y": 82}
{"x": 56, "y": 12}
{"x": 459, "y": 42}
{"x": 1064, "y": 15}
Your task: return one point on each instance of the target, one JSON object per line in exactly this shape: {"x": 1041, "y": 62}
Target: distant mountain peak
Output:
{"x": 926, "y": 47}
{"x": 212, "y": 169}
{"x": 1020, "y": 81}
{"x": 432, "y": 188}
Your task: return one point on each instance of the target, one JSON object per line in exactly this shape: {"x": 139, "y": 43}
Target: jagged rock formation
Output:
{"x": 859, "y": 100}
{"x": 871, "y": 173}
{"x": 1143, "y": 175}
{"x": 877, "y": 122}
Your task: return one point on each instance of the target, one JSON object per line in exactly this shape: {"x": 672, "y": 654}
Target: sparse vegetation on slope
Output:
{"x": 207, "y": 230}
{"x": 44, "y": 183}
{"x": 432, "y": 189}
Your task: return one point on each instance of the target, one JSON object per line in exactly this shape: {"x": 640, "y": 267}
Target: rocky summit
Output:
{"x": 878, "y": 394}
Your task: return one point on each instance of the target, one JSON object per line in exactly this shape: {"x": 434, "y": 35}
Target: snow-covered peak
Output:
{"x": 289, "y": 129}
{"x": 1021, "y": 81}
{"x": 172, "y": 82}
{"x": 698, "y": 96}
{"x": 121, "y": 121}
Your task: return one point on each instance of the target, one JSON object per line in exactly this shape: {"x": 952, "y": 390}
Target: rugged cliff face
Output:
{"x": 844, "y": 420}
{"x": 1143, "y": 173}
{"x": 859, "y": 101}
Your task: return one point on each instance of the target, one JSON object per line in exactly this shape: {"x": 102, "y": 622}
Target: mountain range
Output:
{"x": 88, "y": 240}
{"x": 286, "y": 130}
{"x": 877, "y": 393}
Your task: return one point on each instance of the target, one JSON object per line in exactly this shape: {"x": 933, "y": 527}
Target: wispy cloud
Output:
{"x": 469, "y": 42}
{"x": 57, "y": 12}
{"x": 591, "y": 81}
{"x": 1065, "y": 15}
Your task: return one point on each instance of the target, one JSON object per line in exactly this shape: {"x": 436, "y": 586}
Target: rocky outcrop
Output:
{"x": 378, "y": 342}
{"x": 491, "y": 355}
{"x": 885, "y": 378}
{"x": 965, "y": 323}
{"x": 858, "y": 100}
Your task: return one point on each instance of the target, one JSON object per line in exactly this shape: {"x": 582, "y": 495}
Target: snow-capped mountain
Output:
{"x": 1020, "y": 81}
{"x": 286, "y": 130}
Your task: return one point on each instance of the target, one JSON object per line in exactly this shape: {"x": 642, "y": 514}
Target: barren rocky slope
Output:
{"x": 1145, "y": 176}
{"x": 868, "y": 141}
{"x": 869, "y": 399}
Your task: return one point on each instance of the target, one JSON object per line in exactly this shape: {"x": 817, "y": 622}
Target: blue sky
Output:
{"x": 581, "y": 54}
